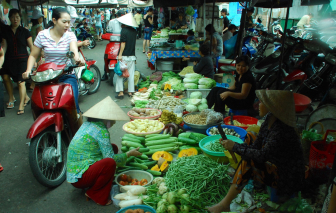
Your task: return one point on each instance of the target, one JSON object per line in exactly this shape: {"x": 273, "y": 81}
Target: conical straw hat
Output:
{"x": 107, "y": 109}
{"x": 128, "y": 20}
{"x": 280, "y": 103}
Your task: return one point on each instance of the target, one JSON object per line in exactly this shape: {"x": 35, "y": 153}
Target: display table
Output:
{"x": 173, "y": 54}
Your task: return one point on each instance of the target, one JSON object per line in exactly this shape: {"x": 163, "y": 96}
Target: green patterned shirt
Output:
{"x": 90, "y": 144}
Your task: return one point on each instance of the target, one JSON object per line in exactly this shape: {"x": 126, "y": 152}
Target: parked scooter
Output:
{"x": 56, "y": 122}
{"x": 111, "y": 54}
{"x": 83, "y": 35}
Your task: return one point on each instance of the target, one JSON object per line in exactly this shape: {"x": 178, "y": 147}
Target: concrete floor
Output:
{"x": 19, "y": 191}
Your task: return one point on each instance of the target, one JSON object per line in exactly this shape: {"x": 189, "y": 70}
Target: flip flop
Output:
{"x": 130, "y": 95}
{"x": 18, "y": 112}
{"x": 10, "y": 103}
{"x": 25, "y": 104}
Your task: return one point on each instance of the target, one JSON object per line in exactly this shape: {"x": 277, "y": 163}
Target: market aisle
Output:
{"x": 19, "y": 191}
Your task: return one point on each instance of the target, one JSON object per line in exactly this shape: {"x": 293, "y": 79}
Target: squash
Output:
{"x": 164, "y": 166}
{"x": 187, "y": 152}
{"x": 155, "y": 168}
{"x": 161, "y": 161}
{"x": 156, "y": 156}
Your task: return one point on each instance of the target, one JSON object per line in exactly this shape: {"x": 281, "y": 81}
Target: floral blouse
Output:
{"x": 90, "y": 144}
{"x": 280, "y": 145}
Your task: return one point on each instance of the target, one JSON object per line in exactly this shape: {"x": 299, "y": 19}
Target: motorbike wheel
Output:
{"x": 42, "y": 159}
{"x": 97, "y": 79}
{"x": 292, "y": 86}
{"x": 111, "y": 77}
{"x": 92, "y": 42}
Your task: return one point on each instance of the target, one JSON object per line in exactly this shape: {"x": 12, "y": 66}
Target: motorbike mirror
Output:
{"x": 70, "y": 54}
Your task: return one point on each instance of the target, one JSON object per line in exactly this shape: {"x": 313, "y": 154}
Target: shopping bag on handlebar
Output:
{"x": 117, "y": 69}
{"x": 87, "y": 75}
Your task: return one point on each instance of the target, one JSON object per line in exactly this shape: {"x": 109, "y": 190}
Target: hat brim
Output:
{"x": 280, "y": 103}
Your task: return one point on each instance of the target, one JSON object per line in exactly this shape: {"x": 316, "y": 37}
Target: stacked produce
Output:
{"x": 186, "y": 70}
{"x": 169, "y": 117}
{"x": 167, "y": 102}
{"x": 128, "y": 180}
{"x": 206, "y": 117}
{"x": 143, "y": 126}
{"x": 196, "y": 81}
{"x": 173, "y": 79}
{"x": 196, "y": 103}
{"x": 190, "y": 140}
{"x": 161, "y": 142}
{"x": 138, "y": 112}
{"x": 132, "y": 196}
{"x": 146, "y": 94}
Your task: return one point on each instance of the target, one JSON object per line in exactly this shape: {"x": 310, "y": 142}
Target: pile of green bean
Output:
{"x": 215, "y": 146}
{"x": 206, "y": 180}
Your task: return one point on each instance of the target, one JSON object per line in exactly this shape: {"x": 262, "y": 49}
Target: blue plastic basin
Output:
{"x": 240, "y": 131}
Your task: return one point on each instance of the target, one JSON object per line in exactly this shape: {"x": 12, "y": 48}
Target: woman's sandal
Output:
{"x": 19, "y": 112}
{"x": 119, "y": 97}
{"x": 25, "y": 104}
{"x": 10, "y": 104}
{"x": 130, "y": 95}
{"x": 107, "y": 204}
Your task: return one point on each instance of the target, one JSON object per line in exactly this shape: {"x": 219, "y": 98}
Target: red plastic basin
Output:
{"x": 301, "y": 102}
{"x": 241, "y": 119}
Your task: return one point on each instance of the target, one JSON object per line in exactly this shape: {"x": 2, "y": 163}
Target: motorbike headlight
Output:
{"x": 331, "y": 58}
{"x": 46, "y": 75}
{"x": 312, "y": 47}
{"x": 114, "y": 38}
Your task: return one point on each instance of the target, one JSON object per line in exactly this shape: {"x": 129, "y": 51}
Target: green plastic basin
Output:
{"x": 212, "y": 138}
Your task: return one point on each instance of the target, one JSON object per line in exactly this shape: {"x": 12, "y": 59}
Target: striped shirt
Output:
{"x": 53, "y": 52}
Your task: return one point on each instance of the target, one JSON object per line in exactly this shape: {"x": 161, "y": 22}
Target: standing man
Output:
{"x": 148, "y": 20}
{"x": 226, "y": 21}
{"x": 127, "y": 53}
{"x": 249, "y": 20}
{"x": 138, "y": 18}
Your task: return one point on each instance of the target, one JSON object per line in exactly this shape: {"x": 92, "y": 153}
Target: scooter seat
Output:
{"x": 259, "y": 71}
{"x": 228, "y": 68}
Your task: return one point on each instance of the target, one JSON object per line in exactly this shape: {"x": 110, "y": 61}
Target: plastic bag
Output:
{"x": 190, "y": 11}
{"x": 125, "y": 73}
{"x": 214, "y": 117}
{"x": 123, "y": 66}
{"x": 117, "y": 69}
{"x": 230, "y": 47}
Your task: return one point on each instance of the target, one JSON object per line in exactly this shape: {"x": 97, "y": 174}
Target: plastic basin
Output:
{"x": 143, "y": 133}
{"x": 241, "y": 119}
{"x": 242, "y": 132}
{"x": 138, "y": 174}
{"x": 301, "y": 102}
{"x": 209, "y": 139}
{"x": 149, "y": 118}
{"x": 143, "y": 207}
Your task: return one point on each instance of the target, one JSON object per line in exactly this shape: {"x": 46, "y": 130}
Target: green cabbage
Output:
{"x": 204, "y": 101}
{"x": 195, "y": 101}
{"x": 207, "y": 83}
{"x": 191, "y": 108}
{"x": 190, "y": 80}
{"x": 196, "y": 95}
{"x": 202, "y": 106}
{"x": 190, "y": 86}
{"x": 193, "y": 75}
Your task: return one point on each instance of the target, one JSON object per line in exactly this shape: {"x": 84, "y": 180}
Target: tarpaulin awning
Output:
{"x": 183, "y": 3}
{"x": 272, "y": 3}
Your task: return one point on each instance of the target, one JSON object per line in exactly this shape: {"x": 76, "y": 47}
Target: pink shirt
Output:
{"x": 53, "y": 52}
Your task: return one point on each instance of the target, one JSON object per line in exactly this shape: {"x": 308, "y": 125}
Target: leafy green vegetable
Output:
{"x": 190, "y": 86}
{"x": 191, "y": 108}
{"x": 141, "y": 104}
{"x": 207, "y": 83}
{"x": 152, "y": 95}
{"x": 202, "y": 106}
{"x": 179, "y": 86}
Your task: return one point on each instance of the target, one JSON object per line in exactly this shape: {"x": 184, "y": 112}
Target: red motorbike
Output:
{"x": 111, "y": 54}
{"x": 56, "y": 122}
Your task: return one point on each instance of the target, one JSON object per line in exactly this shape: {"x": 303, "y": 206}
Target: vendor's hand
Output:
{"x": 134, "y": 152}
{"x": 185, "y": 59}
{"x": 86, "y": 43}
{"x": 119, "y": 57}
{"x": 227, "y": 144}
{"x": 195, "y": 63}
{"x": 224, "y": 95}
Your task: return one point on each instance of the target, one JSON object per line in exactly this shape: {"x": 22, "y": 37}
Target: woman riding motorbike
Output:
{"x": 56, "y": 42}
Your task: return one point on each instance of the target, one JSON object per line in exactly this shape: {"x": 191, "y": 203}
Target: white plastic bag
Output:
{"x": 123, "y": 66}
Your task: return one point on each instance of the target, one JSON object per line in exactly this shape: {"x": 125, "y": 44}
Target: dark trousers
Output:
{"x": 214, "y": 99}
{"x": 98, "y": 178}
{"x": 139, "y": 29}
{"x": 2, "y": 100}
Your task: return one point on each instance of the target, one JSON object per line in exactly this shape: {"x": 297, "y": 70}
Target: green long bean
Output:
{"x": 207, "y": 183}
{"x": 215, "y": 146}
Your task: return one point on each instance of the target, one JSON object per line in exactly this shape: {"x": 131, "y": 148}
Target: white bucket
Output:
{"x": 167, "y": 65}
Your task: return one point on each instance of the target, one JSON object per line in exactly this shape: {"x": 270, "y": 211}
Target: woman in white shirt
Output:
{"x": 56, "y": 42}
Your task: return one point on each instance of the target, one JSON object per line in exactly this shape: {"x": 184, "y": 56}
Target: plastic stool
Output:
{"x": 238, "y": 112}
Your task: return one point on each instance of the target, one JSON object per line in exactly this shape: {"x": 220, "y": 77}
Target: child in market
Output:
{"x": 205, "y": 66}
{"x": 191, "y": 36}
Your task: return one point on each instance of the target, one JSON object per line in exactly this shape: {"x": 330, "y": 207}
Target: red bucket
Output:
{"x": 247, "y": 120}
{"x": 321, "y": 158}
